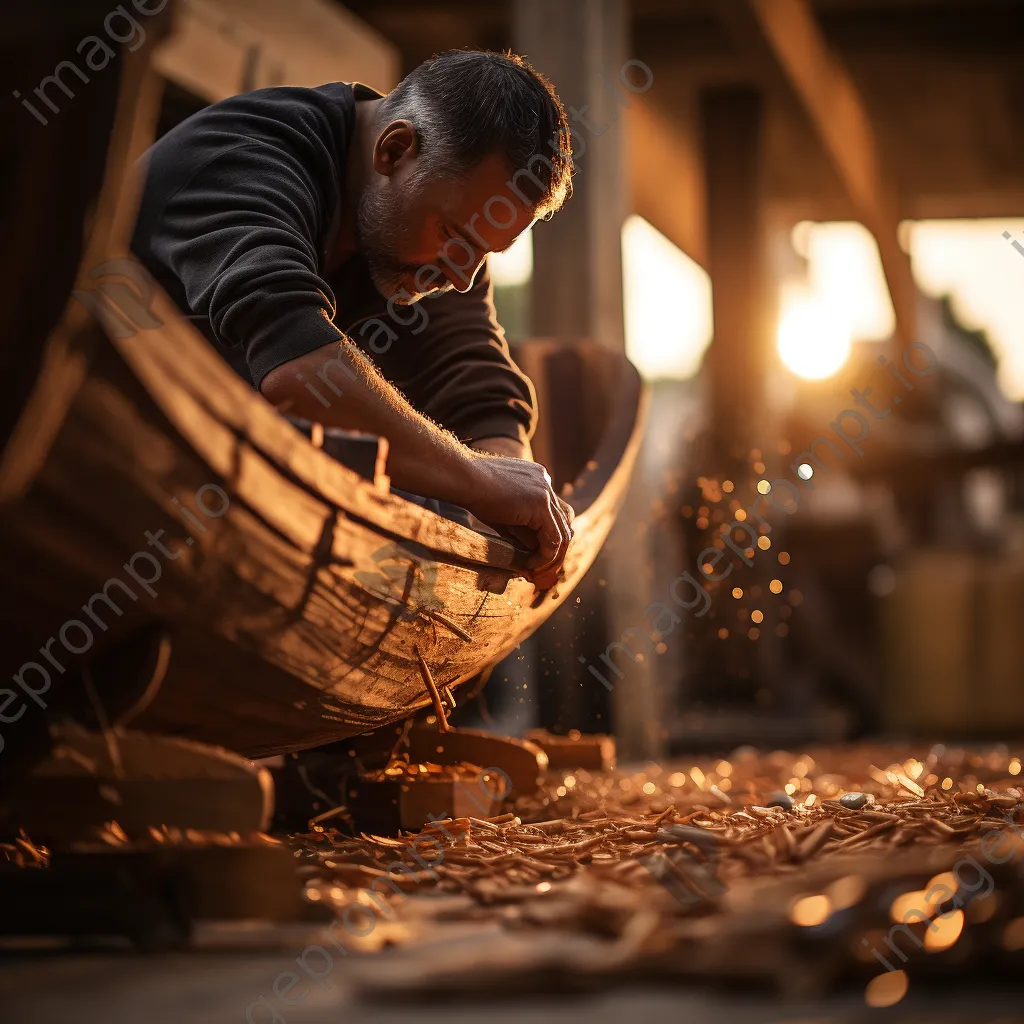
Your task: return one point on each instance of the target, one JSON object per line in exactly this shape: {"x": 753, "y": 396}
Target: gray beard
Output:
{"x": 376, "y": 235}
{"x": 378, "y": 231}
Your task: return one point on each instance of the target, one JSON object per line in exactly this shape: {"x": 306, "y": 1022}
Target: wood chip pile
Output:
{"x": 798, "y": 871}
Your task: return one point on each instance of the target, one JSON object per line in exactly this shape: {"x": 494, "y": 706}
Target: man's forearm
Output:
{"x": 503, "y": 446}
{"x": 339, "y": 387}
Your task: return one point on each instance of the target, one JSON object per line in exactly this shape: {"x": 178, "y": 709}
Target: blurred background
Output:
{"x": 773, "y": 203}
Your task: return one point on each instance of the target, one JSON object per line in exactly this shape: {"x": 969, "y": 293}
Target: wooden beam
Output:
{"x": 667, "y": 141}
{"x": 224, "y": 47}
{"x": 788, "y": 31}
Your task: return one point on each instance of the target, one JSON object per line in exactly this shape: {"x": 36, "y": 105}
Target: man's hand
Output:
{"x": 425, "y": 459}
{"x": 517, "y": 494}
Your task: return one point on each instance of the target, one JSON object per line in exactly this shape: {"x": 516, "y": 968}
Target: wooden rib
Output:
{"x": 435, "y": 696}
{"x": 445, "y": 621}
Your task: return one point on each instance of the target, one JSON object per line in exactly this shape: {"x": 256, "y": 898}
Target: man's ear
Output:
{"x": 397, "y": 143}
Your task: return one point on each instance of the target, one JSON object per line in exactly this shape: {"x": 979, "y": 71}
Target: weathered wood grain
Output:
{"x": 295, "y": 614}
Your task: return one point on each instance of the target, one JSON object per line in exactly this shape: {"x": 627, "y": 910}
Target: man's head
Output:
{"x": 468, "y": 150}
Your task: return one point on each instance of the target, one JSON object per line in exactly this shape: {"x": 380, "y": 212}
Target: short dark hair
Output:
{"x": 467, "y": 104}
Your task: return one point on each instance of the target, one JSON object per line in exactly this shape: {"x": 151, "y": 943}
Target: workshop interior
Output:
{"x": 621, "y": 617}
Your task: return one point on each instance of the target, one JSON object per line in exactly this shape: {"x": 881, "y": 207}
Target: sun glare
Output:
{"x": 970, "y": 260}
{"x": 843, "y": 297}
{"x": 813, "y": 342}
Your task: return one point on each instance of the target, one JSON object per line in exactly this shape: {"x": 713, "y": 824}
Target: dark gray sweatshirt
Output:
{"x": 239, "y": 209}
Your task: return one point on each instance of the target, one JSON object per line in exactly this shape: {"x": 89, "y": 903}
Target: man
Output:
{"x": 332, "y": 244}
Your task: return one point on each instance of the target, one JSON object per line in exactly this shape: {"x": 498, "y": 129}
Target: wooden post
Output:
{"x": 576, "y": 292}
{"x": 784, "y": 38}
{"x": 577, "y": 275}
{"x": 731, "y": 127}
{"x": 732, "y": 139}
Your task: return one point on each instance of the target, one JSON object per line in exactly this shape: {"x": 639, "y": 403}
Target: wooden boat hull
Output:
{"x": 296, "y": 594}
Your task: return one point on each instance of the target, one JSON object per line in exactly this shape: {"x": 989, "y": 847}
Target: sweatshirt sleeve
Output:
{"x": 241, "y": 236}
{"x": 453, "y": 363}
